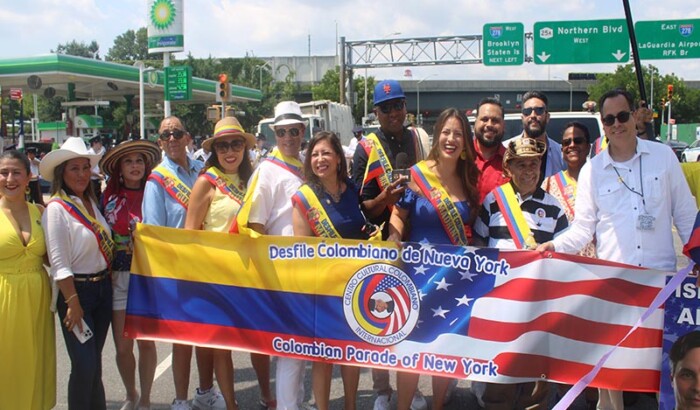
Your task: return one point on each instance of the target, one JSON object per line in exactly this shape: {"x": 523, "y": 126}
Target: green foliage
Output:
{"x": 81, "y": 49}
{"x": 129, "y": 46}
{"x": 329, "y": 89}
{"x": 685, "y": 108}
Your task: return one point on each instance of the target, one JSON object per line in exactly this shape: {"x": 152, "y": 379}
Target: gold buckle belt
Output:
{"x": 92, "y": 277}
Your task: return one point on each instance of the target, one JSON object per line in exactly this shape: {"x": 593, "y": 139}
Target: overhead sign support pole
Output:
{"x": 635, "y": 51}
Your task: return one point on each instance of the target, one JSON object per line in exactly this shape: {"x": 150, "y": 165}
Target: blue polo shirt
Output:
{"x": 158, "y": 207}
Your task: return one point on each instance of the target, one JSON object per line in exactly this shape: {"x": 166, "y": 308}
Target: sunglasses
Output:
{"x": 222, "y": 147}
{"x": 538, "y": 111}
{"x": 395, "y": 106}
{"x": 281, "y": 132}
{"x": 577, "y": 141}
{"x": 622, "y": 116}
{"x": 178, "y": 134}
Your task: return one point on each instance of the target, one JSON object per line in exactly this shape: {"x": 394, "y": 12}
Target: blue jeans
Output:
{"x": 85, "y": 389}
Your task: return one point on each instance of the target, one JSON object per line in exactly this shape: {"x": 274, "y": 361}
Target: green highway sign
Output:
{"x": 503, "y": 44}
{"x": 581, "y": 42}
{"x": 178, "y": 83}
{"x": 668, "y": 39}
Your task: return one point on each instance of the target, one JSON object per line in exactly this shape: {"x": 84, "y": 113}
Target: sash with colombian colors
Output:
{"x": 567, "y": 187}
{"x": 378, "y": 164}
{"x": 226, "y": 185}
{"x": 315, "y": 213}
{"x": 476, "y": 313}
{"x": 77, "y": 211}
{"x": 434, "y": 192}
{"x": 177, "y": 189}
{"x": 514, "y": 218}
{"x": 601, "y": 144}
{"x": 289, "y": 164}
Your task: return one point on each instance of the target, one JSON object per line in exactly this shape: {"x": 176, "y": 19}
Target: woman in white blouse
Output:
{"x": 80, "y": 249}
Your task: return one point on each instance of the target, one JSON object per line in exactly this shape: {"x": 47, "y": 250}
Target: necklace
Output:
{"x": 333, "y": 196}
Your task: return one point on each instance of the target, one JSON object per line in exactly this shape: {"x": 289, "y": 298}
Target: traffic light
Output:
{"x": 224, "y": 90}
{"x": 669, "y": 94}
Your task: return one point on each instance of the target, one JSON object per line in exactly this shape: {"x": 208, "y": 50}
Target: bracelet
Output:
{"x": 71, "y": 298}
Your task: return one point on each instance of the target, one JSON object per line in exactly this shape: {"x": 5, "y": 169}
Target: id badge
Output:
{"x": 645, "y": 222}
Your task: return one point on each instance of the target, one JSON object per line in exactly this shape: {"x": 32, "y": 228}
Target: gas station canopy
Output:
{"x": 96, "y": 80}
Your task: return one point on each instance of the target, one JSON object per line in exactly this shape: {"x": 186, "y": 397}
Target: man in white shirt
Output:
{"x": 630, "y": 197}
{"x": 96, "y": 176}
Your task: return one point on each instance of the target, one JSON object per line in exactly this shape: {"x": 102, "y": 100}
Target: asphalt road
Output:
{"x": 246, "y": 387}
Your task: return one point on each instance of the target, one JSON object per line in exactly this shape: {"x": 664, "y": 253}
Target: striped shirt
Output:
{"x": 542, "y": 213}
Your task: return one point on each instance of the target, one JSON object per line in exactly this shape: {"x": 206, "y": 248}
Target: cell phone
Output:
{"x": 398, "y": 173}
{"x": 85, "y": 335}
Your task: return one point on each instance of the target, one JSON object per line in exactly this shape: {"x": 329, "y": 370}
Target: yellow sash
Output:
{"x": 378, "y": 164}
{"x": 177, "y": 189}
{"x": 316, "y": 215}
{"x": 240, "y": 222}
{"x": 513, "y": 215}
{"x": 104, "y": 239}
{"x": 233, "y": 189}
{"x": 434, "y": 192}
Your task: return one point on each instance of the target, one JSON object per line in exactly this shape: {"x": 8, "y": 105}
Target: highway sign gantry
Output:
{"x": 668, "y": 39}
{"x": 581, "y": 42}
{"x": 504, "y": 44}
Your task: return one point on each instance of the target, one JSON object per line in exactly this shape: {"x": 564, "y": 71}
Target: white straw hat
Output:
{"x": 73, "y": 147}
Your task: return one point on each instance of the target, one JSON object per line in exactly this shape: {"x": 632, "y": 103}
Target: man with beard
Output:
{"x": 489, "y": 128}
{"x": 535, "y": 118}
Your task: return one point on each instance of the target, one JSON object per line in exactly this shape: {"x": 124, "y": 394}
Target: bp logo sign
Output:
{"x": 162, "y": 14}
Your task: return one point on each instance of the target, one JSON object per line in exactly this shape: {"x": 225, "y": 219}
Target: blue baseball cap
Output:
{"x": 387, "y": 90}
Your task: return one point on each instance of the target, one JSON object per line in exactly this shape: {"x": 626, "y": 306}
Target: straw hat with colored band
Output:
{"x": 229, "y": 126}
{"x": 149, "y": 150}
{"x": 73, "y": 147}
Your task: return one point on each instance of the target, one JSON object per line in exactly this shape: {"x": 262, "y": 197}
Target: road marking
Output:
{"x": 163, "y": 366}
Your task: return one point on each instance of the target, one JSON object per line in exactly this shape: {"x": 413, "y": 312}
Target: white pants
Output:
{"x": 289, "y": 383}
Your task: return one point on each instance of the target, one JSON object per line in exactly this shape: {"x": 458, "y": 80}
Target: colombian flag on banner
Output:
{"x": 436, "y": 309}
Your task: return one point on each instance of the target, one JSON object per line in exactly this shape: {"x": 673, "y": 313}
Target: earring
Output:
{"x": 463, "y": 154}
{"x": 27, "y": 191}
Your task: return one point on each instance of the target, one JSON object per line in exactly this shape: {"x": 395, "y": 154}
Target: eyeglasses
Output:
{"x": 281, "y": 132}
{"x": 622, "y": 116}
{"x": 576, "y": 140}
{"x": 538, "y": 111}
{"x": 395, "y": 106}
{"x": 178, "y": 134}
{"x": 222, "y": 147}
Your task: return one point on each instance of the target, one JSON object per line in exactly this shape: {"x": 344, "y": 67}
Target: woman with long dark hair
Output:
{"x": 422, "y": 216}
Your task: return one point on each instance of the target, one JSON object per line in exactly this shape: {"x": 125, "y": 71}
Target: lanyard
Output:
{"x": 641, "y": 183}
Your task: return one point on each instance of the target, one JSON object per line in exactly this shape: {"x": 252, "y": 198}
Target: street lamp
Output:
{"x": 418, "y": 118}
{"x": 260, "y": 68}
{"x": 142, "y": 69}
{"x": 396, "y": 33}
{"x": 571, "y": 92}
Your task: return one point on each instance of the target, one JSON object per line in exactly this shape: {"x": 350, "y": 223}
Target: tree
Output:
{"x": 129, "y": 46}
{"x": 685, "y": 100}
{"x": 81, "y": 49}
{"x": 329, "y": 89}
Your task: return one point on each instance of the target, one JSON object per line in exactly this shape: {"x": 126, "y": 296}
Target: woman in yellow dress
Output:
{"x": 27, "y": 340}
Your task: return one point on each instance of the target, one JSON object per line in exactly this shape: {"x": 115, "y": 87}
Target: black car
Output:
{"x": 677, "y": 146}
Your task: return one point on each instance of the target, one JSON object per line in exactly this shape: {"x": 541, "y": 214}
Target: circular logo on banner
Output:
{"x": 381, "y": 304}
{"x": 162, "y": 14}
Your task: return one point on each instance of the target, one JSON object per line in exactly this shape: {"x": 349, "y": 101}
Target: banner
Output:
{"x": 476, "y": 313}
{"x": 682, "y": 317}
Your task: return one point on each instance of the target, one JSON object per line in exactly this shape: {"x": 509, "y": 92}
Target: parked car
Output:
{"x": 691, "y": 153}
{"x": 678, "y": 147}
{"x": 557, "y": 121}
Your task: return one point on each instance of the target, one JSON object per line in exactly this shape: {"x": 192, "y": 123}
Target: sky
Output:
{"x": 232, "y": 28}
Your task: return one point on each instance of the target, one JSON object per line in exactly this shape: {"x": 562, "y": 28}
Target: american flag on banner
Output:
{"x": 556, "y": 321}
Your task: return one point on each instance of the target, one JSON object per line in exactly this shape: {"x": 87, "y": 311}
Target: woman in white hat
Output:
{"x": 128, "y": 166}
{"x": 216, "y": 197}
{"x": 80, "y": 249}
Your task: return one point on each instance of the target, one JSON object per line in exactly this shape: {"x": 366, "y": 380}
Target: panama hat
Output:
{"x": 149, "y": 150}
{"x": 286, "y": 113}
{"x": 229, "y": 126}
{"x": 73, "y": 147}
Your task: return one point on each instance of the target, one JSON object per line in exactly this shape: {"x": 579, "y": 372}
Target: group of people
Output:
{"x": 471, "y": 188}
